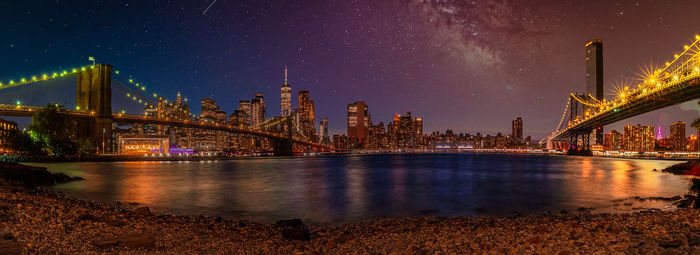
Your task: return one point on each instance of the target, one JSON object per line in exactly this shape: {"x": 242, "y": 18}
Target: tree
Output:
{"x": 52, "y": 130}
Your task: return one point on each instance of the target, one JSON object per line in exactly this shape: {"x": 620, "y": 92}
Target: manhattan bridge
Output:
{"x": 103, "y": 98}
{"x": 675, "y": 82}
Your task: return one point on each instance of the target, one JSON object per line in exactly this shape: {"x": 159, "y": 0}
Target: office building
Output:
{"x": 677, "y": 139}
{"x": 285, "y": 97}
{"x": 257, "y": 110}
{"x": 638, "y": 138}
{"x": 357, "y": 121}
{"x": 594, "y": 78}
{"x": 323, "y": 130}
{"x": 517, "y": 133}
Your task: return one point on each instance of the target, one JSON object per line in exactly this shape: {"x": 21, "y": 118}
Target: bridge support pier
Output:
{"x": 584, "y": 149}
{"x": 282, "y": 147}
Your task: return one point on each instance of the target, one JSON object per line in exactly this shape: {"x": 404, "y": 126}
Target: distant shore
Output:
{"x": 165, "y": 157}
{"x": 37, "y": 220}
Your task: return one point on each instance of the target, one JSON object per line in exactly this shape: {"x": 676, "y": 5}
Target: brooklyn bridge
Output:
{"x": 97, "y": 84}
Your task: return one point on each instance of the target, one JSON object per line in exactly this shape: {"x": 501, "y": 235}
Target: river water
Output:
{"x": 347, "y": 188}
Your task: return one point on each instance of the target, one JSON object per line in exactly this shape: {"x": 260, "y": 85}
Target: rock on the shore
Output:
{"x": 142, "y": 211}
{"x": 293, "y": 229}
{"x": 692, "y": 167}
{"x": 32, "y": 175}
{"x": 9, "y": 244}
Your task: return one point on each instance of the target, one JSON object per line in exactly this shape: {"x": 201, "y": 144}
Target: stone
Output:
{"x": 670, "y": 243}
{"x": 289, "y": 223}
{"x": 105, "y": 242}
{"x": 138, "y": 240}
{"x": 296, "y": 233}
{"x": 143, "y": 211}
{"x": 8, "y": 247}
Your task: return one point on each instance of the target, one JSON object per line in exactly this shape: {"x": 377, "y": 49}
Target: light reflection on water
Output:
{"x": 332, "y": 189}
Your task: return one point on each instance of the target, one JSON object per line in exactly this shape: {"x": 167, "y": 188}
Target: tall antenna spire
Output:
{"x": 285, "y": 74}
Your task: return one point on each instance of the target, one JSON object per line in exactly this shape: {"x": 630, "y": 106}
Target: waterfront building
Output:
{"x": 377, "y": 136}
{"x": 517, "y": 133}
{"x": 613, "y": 141}
{"x": 677, "y": 139}
{"x": 285, "y": 97}
{"x": 638, "y": 138}
{"x": 7, "y": 130}
{"x": 323, "y": 129}
{"x": 257, "y": 110}
{"x": 341, "y": 142}
{"x": 141, "y": 145}
{"x": 594, "y": 78}
{"x": 357, "y": 121}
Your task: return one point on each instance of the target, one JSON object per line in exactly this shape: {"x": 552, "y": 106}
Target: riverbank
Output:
{"x": 37, "y": 220}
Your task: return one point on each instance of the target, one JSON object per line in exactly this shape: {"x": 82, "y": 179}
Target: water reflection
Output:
{"x": 345, "y": 188}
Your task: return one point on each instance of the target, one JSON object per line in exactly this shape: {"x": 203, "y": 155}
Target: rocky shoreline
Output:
{"x": 37, "y": 221}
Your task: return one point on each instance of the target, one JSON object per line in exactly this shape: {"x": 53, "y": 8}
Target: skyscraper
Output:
{"x": 208, "y": 109}
{"x": 323, "y": 130}
{"x": 244, "y": 106}
{"x": 594, "y": 68}
{"x": 286, "y": 97}
{"x": 639, "y": 138}
{"x": 594, "y": 77}
{"x": 357, "y": 121}
{"x": 257, "y": 110}
{"x": 517, "y": 134}
{"x": 677, "y": 137}
{"x": 306, "y": 125}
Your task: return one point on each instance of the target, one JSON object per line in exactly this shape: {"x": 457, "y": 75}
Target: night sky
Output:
{"x": 471, "y": 66}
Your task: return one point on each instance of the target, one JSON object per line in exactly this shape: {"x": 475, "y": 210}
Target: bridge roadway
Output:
{"x": 675, "y": 90}
{"x": 28, "y": 111}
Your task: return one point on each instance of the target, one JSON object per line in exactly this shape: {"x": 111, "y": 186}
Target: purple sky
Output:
{"x": 471, "y": 66}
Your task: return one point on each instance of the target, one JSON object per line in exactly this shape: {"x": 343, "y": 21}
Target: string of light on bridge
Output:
{"x": 42, "y": 77}
{"x": 143, "y": 89}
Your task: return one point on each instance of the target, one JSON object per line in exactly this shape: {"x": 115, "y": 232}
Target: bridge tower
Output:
{"x": 94, "y": 94}
{"x": 284, "y": 147}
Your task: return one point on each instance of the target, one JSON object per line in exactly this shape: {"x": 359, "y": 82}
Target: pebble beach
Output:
{"x": 40, "y": 221}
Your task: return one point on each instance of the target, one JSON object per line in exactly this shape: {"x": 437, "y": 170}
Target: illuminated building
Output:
{"x": 377, "y": 136}
{"x": 286, "y": 97}
{"x": 594, "y": 77}
{"x": 343, "y": 142}
{"x": 257, "y": 110}
{"x": 323, "y": 130}
{"x": 638, "y": 138}
{"x": 659, "y": 136}
{"x": 142, "y": 145}
{"x": 677, "y": 139}
{"x": 305, "y": 116}
{"x": 244, "y": 107}
{"x": 357, "y": 121}
{"x": 517, "y": 133}
{"x": 208, "y": 110}
{"x": 613, "y": 141}
{"x": 150, "y": 129}
{"x": 7, "y": 128}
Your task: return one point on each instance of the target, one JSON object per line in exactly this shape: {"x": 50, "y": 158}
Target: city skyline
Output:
{"x": 420, "y": 67}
